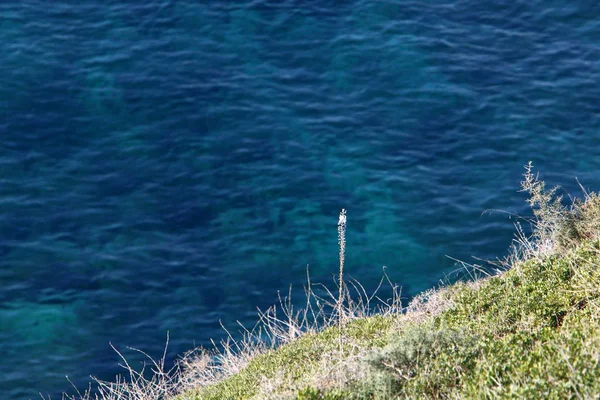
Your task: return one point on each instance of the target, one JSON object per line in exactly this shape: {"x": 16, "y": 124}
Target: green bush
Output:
{"x": 427, "y": 360}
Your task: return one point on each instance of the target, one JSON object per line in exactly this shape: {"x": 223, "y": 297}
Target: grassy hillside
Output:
{"x": 530, "y": 331}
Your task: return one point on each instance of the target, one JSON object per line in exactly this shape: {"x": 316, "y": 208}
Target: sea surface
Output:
{"x": 168, "y": 166}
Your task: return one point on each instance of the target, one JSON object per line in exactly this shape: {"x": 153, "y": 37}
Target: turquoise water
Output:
{"x": 166, "y": 165}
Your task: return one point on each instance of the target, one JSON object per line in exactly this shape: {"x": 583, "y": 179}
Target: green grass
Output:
{"x": 532, "y": 332}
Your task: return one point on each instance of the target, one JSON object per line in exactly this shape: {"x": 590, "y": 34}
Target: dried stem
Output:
{"x": 342, "y": 242}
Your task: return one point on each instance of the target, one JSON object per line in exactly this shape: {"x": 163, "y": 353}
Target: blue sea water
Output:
{"x": 167, "y": 165}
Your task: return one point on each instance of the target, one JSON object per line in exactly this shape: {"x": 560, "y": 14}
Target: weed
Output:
{"x": 556, "y": 226}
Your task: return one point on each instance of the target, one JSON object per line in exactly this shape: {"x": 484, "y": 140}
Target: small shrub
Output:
{"x": 556, "y": 226}
{"x": 427, "y": 360}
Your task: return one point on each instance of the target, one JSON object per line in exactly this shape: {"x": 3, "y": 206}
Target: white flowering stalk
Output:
{"x": 340, "y": 302}
{"x": 342, "y": 242}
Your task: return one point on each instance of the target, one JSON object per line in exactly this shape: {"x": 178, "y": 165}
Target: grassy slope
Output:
{"x": 531, "y": 332}
{"x": 297, "y": 360}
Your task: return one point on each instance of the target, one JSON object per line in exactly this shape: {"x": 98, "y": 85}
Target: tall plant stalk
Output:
{"x": 340, "y": 301}
{"x": 342, "y": 242}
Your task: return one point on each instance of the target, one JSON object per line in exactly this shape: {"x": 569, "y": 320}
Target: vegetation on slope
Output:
{"x": 531, "y": 330}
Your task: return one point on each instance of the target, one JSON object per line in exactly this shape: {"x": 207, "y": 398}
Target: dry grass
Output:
{"x": 152, "y": 381}
{"x": 333, "y": 367}
{"x": 277, "y": 326}
{"x": 557, "y": 227}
